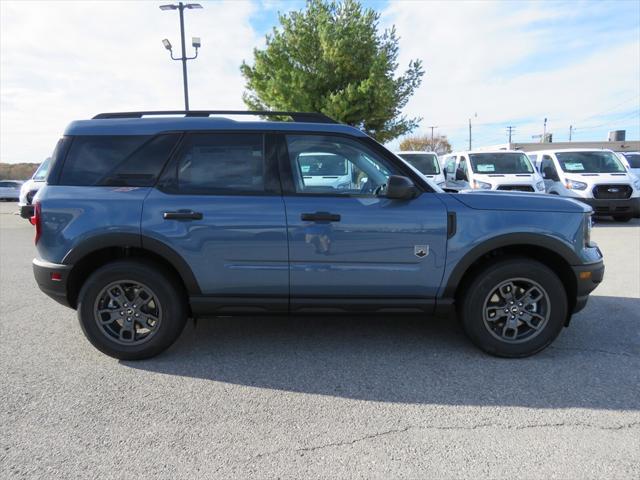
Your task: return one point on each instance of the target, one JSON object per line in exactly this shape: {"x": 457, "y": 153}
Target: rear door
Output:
{"x": 218, "y": 206}
{"x": 351, "y": 248}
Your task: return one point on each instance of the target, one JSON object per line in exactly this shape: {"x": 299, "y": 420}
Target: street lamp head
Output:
{"x": 168, "y": 7}
{"x": 167, "y": 44}
{"x": 195, "y": 41}
{"x": 193, "y": 5}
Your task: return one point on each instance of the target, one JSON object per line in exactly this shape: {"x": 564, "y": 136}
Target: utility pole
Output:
{"x": 432, "y": 127}
{"x": 469, "y": 133}
{"x": 195, "y": 42}
{"x": 510, "y": 130}
{"x": 570, "y": 131}
{"x": 544, "y": 132}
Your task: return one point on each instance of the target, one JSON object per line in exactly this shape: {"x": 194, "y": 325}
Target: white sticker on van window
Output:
{"x": 305, "y": 168}
{"x": 487, "y": 167}
{"x": 574, "y": 167}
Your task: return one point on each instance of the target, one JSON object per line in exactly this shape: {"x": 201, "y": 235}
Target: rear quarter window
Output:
{"x": 126, "y": 160}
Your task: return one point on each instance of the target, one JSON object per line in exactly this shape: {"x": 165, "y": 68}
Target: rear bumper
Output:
{"x": 52, "y": 278}
{"x": 627, "y": 206}
{"x": 588, "y": 277}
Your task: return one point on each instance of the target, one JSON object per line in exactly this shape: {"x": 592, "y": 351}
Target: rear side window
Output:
{"x": 220, "y": 163}
{"x": 126, "y": 160}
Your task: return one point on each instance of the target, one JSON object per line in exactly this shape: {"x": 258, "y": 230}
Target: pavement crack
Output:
{"x": 394, "y": 431}
{"x": 594, "y": 350}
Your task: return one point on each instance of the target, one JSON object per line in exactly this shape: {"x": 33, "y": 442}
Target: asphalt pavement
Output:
{"x": 386, "y": 397}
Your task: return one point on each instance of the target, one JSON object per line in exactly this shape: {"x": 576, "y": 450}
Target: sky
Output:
{"x": 502, "y": 63}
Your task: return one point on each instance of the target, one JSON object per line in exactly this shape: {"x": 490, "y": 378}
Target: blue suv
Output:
{"x": 149, "y": 218}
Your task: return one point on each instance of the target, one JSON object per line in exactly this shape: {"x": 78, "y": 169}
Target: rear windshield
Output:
{"x": 126, "y": 160}
{"x": 500, "y": 163}
{"x": 425, "y": 163}
{"x": 633, "y": 159}
{"x": 589, "y": 162}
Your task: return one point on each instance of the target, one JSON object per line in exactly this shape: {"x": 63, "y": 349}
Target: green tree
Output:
{"x": 440, "y": 144}
{"x": 330, "y": 58}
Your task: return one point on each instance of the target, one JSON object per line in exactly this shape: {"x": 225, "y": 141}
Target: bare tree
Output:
{"x": 440, "y": 144}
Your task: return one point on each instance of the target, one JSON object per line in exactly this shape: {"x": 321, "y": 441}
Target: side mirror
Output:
{"x": 460, "y": 175}
{"x": 400, "y": 188}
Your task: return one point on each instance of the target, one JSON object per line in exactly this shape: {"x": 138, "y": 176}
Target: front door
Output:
{"x": 349, "y": 247}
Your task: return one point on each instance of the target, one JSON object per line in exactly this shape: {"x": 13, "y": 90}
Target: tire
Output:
{"x": 160, "y": 304}
{"x": 622, "y": 218}
{"x": 480, "y": 296}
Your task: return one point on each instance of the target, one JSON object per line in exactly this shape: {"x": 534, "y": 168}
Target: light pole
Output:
{"x": 195, "y": 42}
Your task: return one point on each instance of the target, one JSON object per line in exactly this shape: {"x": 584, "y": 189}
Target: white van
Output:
{"x": 631, "y": 160}
{"x": 321, "y": 169}
{"x": 506, "y": 170}
{"x": 426, "y": 163}
{"x": 595, "y": 177}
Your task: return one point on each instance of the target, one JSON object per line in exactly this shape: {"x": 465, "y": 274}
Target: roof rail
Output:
{"x": 305, "y": 117}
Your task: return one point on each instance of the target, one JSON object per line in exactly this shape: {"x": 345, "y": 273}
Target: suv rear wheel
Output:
{"x": 622, "y": 218}
{"x": 514, "y": 307}
{"x": 130, "y": 309}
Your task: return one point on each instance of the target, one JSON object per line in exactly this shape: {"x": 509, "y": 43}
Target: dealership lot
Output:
{"x": 322, "y": 397}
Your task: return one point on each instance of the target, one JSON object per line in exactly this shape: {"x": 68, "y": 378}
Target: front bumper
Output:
{"x": 52, "y": 278}
{"x": 627, "y": 206}
{"x": 588, "y": 277}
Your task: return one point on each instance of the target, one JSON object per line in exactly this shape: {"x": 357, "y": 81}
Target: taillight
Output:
{"x": 36, "y": 220}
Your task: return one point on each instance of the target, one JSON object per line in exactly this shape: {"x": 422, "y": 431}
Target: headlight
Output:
{"x": 575, "y": 185}
{"x": 540, "y": 185}
{"x": 636, "y": 184}
{"x": 344, "y": 186}
{"x": 441, "y": 184}
{"x": 477, "y": 184}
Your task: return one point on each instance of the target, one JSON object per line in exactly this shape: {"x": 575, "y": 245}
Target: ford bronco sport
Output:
{"x": 148, "y": 219}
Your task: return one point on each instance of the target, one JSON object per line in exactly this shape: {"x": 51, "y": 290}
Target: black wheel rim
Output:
{"x": 516, "y": 310}
{"x": 128, "y": 312}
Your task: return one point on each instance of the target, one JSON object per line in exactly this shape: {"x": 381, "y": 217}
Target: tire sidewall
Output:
{"x": 487, "y": 281}
{"x": 172, "y": 302}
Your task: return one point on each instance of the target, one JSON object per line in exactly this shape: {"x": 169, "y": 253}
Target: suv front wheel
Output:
{"x": 514, "y": 308}
{"x": 131, "y": 310}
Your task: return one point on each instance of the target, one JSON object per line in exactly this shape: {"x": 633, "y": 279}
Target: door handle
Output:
{"x": 182, "y": 215}
{"x": 320, "y": 217}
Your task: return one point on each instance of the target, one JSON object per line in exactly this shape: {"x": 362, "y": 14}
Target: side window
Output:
{"x": 547, "y": 164}
{"x": 219, "y": 163}
{"x": 92, "y": 157}
{"x": 450, "y": 166}
{"x": 335, "y": 165}
{"x": 463, "y": 165}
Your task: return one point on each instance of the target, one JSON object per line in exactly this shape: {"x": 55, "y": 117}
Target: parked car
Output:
{"x": 631, "y": 161}
{"x": 491, "y": 170}
{"x": 324, "y": 170}
{"x": 145, "y": 221}
{"x": 9, "y": 189}
{"x": 426, "y": 163}
{"x": 595, "y": 177}
{"x": 31, "y": 187}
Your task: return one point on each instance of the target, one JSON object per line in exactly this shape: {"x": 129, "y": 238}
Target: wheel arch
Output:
{"x": 548, "y": 251}
{"x": 92, "y": 253}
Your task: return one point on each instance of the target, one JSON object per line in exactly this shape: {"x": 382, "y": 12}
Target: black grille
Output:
{"x": 519, "y": 188}
{"x": 612, "y": 191}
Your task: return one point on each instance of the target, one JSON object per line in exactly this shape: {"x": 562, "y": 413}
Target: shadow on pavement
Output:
{"x": 608, "y": 222}
{"x": 593, "y": 364}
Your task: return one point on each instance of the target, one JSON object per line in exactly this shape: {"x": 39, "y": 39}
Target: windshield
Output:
{"x": 426, "y": 163}
{"x": 322, "y": 165}
{"x": 633, "y": 159}
{"x": 43, "y": 169}
{"x": 500, "y": 163}
{"x": 589, "y": 162}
